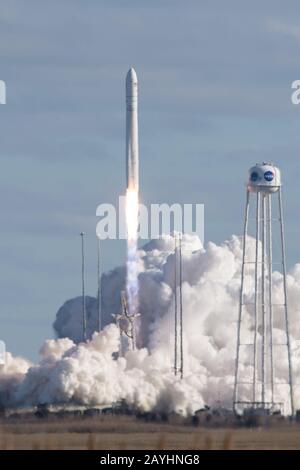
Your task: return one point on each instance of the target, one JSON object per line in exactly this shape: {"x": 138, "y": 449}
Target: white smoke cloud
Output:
{"x": 91, "y": 373}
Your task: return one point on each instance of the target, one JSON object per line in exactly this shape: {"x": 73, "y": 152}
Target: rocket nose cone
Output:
{"x": 131, "y": 76}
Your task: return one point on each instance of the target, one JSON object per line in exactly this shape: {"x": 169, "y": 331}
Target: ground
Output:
{"x": 127, "y": 432}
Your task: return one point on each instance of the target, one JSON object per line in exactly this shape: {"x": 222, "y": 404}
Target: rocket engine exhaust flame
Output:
{"x": 132, "y": 288}
{"x": 132, "y": 212}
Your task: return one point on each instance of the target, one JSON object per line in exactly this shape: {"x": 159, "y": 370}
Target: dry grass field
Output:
{"x": 125, "y": 432}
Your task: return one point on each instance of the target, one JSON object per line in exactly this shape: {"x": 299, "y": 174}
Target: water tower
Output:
{"x": 258, "y": 393}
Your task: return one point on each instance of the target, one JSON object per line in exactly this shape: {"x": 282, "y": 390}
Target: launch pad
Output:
{"x": 258, "y": 408}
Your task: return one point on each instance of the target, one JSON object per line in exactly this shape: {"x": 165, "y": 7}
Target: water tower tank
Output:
{"x": 265, "y": 178}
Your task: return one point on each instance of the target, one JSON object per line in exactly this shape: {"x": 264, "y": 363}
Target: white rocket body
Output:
{"x": 132, "y": 142}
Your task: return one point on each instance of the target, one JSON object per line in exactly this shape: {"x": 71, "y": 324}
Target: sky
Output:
{"x": 214, "y": 98}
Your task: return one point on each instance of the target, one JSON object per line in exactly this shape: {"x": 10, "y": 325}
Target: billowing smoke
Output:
{"x": 68, "y": 321}
{"x": 92, "y": 373}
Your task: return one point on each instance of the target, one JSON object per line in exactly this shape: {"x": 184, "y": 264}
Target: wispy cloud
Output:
{"x": 285, "y": 28}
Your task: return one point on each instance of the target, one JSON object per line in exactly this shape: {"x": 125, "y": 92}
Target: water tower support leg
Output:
{"x": 263, "y": 299}
{"x": 256, "y": 294}
{"x": 285, "y": 301}
{"x": 270, "y": 300}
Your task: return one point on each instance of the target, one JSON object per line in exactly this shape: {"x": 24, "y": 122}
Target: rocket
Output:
{"x": 132, "y": 143}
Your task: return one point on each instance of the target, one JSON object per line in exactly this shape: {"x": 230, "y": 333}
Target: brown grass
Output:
{"x": 125, "y": 432}
{"x": 228, "y": 441}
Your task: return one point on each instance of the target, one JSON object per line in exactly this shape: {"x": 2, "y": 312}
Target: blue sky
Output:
{"x": 215, "y": 85}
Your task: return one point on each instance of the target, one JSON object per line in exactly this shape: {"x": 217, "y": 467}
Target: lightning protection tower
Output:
{"x": 178, "y": 318}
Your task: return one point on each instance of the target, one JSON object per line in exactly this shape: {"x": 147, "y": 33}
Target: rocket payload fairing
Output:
{"x": 132, "y": 142}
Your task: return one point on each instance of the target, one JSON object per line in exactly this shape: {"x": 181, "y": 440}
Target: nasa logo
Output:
{"x": 254, "y": 176}
{"x": 269, "y": 175}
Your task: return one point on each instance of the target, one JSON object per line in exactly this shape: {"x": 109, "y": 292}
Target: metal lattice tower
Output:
{"x": 126, "y": 324}
{"x": 178, "y": 319}
{"x": 84, "y": 337}
{"x": 99, "y": 293}
{"x": 264, "y": 184}
{"x": 175, "y": 309}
